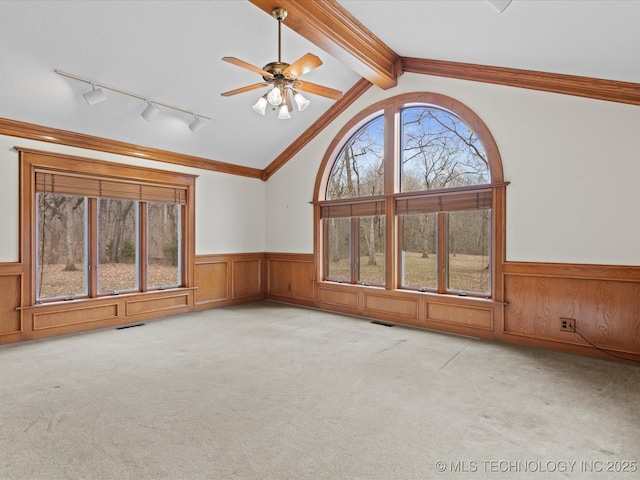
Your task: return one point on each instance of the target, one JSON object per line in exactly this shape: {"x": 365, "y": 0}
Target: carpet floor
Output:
{"x": 270, "y": 391}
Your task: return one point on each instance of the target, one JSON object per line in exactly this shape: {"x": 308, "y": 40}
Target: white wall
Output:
{"x": 573, "y": 164}
{"x": 229, "y": 208}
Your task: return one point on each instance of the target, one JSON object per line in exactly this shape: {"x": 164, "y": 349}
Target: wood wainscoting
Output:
{"x": 604, "y": 301}
{"x": 10, "y": 301}
{"x": 229, "y": 279}
{"x": 219, "y": 280}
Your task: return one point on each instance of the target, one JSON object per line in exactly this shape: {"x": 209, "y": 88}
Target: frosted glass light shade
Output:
{"x": 283, "y": 112}
{"x": 261, "y": 105}
{"x": 301, "y": 101}
{"x": 274, "y": 97}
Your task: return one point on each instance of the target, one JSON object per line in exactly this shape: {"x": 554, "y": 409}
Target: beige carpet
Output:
{"x": 267, "y": 391}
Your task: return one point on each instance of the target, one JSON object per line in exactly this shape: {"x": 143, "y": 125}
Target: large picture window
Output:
{"x": 98, "y": 235}
{"x": 406, "y": 200}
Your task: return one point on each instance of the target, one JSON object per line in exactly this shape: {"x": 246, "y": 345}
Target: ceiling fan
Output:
{"x": 283, "y": 78}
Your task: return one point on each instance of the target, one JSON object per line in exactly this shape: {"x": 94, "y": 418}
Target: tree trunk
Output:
{"x": 68, "y": 224}
{"x": 372, "y": 242}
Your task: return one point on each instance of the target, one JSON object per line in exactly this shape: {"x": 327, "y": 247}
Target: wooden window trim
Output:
{"x": 493, "y": 194}
{"x": 33, "y": 161}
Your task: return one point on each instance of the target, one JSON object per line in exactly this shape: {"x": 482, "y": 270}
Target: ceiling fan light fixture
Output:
{"x": 150, "y": 112}
{"x": 94, "y": 96}
{"x": 261, "y": 105}
{"x": 274, "y": 97}
{"x": 283, "y": 112}
{"x": 301, "y": 101}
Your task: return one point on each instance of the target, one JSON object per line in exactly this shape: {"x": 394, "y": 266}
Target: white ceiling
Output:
{"x": 170, "y": 52}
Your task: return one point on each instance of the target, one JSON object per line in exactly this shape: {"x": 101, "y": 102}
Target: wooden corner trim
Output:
{"x": 80, "y": 140}
{"x": 587, "y": 87}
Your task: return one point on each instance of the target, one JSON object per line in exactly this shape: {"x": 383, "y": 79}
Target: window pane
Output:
{"x": 117, "y": 245}
{"x": 62, "y": 246}
{"x": 164, "y": 258}
{"x": 438, "y": 150}
{"x": 468, "y": 255}
{"x": 359, "y": 169}
{"x": 419, "y": 265}
{"x": 371, "y": 246}
{"x": 338, "y": 249}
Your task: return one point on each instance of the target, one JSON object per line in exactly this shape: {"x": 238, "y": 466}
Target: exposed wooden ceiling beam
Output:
{"x": 328, "y": 25}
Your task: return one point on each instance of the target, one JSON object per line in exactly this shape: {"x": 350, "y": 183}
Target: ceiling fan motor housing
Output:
{"x": 275, "y": 69}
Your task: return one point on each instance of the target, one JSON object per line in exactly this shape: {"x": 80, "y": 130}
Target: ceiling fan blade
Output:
{"x": 318, "y": 90}
{"x": 248, "y": 66}
{"x": 304, "y": 64}
{"x": 248, "y": 88}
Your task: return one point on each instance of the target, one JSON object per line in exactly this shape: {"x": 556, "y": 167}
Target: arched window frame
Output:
{"x": 391, "y": 109}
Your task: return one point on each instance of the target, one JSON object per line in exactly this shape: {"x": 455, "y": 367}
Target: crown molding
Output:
{"x": 595, "y": 88}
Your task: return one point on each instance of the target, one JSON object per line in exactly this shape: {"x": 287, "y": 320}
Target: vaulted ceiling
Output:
{"x": 171, "y": 51}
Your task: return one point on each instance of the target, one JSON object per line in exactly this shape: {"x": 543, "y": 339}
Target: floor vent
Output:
{"x": 384, "y": 324}
{"x": 130, "y": 326}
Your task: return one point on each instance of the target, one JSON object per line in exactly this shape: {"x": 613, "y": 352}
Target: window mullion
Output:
{"x": 143, "y": 262}
{"x": 92, "y": 241}
{"x": 442, "y": 252}
{"x": 355, "y": 247}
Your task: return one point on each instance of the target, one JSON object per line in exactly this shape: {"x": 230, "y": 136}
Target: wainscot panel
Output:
{"x": 10, "y": 293}
{"x": 290, "y": 278}
{"x": 338, "y": 296}
{"x": 152, "y": 305}
{"x": 227, "y": 279}
{"x": 212, "y": 281}
{"x": 74, "y": 316}
{"x": 247, "y": 278}
{"x": 604, "y": 311}
{"x": 404, "y": 308}
{"x": 467, "y": 316}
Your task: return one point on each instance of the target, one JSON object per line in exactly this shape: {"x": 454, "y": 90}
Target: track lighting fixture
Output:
{"x": 196, "y": 124}
{"x": 94, "y": 96}
{"x": 151, "y": 110}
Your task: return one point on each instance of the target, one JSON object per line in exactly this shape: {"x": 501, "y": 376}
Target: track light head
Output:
{"x": 94, "y": 96}
{"x": 150, "y": 112}
{"x": 196, "y": 124}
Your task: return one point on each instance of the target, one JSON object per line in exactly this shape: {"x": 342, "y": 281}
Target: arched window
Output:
{"x": 407, "y": 196}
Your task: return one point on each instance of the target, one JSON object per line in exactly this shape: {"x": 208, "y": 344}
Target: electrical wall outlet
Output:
{"x": 567, "y": 324}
